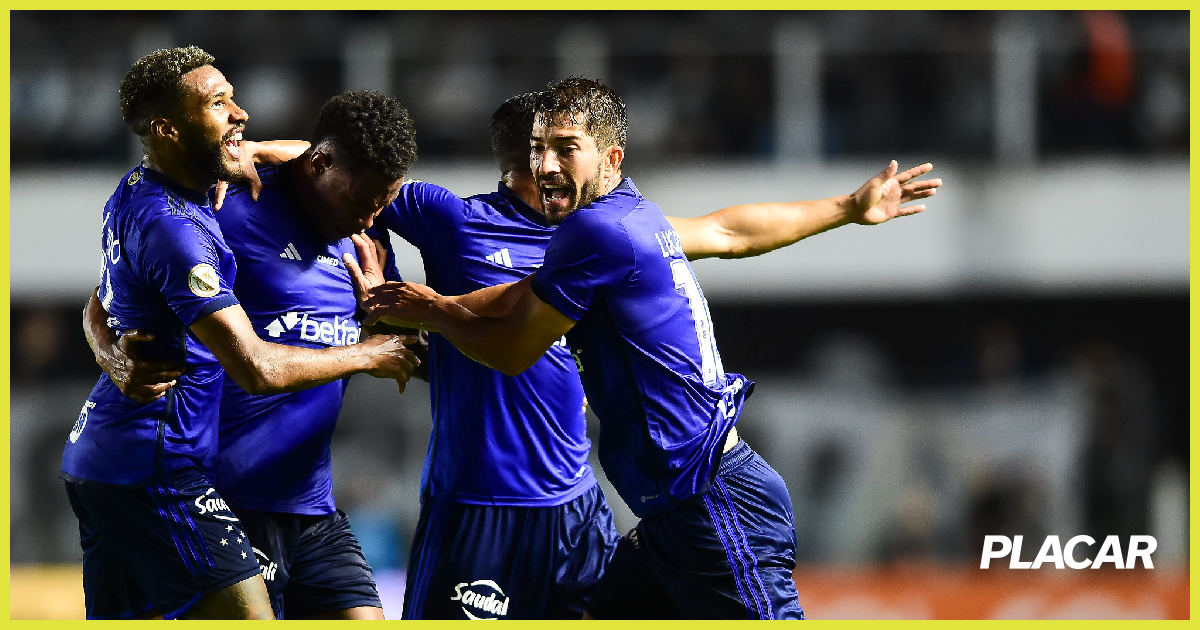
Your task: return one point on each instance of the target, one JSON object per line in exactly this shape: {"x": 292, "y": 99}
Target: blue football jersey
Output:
{"x": 496, "y": 440}
{"x": 165, "y": 266}
{"x": 275, "y": 449}
{"x": 645, "y": 346}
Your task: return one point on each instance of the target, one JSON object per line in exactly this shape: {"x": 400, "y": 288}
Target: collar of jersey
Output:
{"x": 520, "y": 206}
{"x": 626, "y": 187}
{"x": 626, "y": 184}
{"x": 189, "y": 195}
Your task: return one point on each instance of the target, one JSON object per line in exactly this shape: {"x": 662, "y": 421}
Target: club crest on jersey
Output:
{"x": 134, "y": 178}
{"x": 203, "y": 281}
{"x": 482, "y": 599}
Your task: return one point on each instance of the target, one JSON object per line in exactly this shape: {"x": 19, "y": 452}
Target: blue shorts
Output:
{"x": 157, "y": 549}
{"x": 311, "y": 564}
{"x": 728, "y": 554}
{"x": 494, "y": 562}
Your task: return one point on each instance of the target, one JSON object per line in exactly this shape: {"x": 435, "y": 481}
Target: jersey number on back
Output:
{"x": 710, "y": 360}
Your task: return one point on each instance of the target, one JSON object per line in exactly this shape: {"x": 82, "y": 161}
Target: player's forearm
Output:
{"x": 96, "y": 330}
{"x": 275, "y": 368}
{"x": 497, "y": 342}
{"x": 494, "y": 301}
{"x": 276, "y": 151}
{"x": 260, "y": 367}
{"x": 754, "y": 229}
{"x": 90, "y": 315}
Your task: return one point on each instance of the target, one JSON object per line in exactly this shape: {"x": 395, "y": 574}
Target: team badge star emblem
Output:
{"x": 243, "y": 555}
{"x": 224, "y": 542}
{"x": 229, "y": 528}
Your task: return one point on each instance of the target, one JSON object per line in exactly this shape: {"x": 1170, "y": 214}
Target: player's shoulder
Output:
{"x": 145, "y": 199}
{"x": 238, "y": 193}
{"x": 429, "y": 193}
{"x": 596, "y": 231}
{"x": 615, "y": 205}
{"x": 420, "y": 198}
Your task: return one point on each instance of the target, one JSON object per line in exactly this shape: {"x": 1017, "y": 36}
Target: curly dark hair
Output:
{"x": 510, "y": 126}
{"x": 153, "y": 86}
{"x": 586, "y": 102}
{"x": 370, "y": 129}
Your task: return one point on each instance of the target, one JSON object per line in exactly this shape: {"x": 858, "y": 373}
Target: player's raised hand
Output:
{"x": 392, "y": 359}
{"x": 880, "y": 198}
{"x": 367, "y": 271}
{"x": 246, "y": 159}
{"x": 141, "y": 381}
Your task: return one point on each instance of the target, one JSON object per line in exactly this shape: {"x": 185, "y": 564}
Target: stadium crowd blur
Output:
{"x": 907, "y": 427}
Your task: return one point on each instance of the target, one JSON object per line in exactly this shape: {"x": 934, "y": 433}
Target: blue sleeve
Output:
{"x": 424, "y": 214}
{"x": 181, "y": 260}
{"x": 586, "y": 257}
{"x": 390, "y": 272}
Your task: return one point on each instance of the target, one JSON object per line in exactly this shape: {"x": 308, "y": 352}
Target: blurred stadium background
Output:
{"x": 1014, "y": 361}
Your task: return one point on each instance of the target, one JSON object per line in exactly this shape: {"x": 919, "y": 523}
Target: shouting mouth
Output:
{"x": 232, "y": 144}
{"x": 555, "y": 195}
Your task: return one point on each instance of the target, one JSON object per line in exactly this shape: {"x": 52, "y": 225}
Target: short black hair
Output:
{"x": 589, "y": 103}
{"x": 153, "y": 86}
{"x": 510, "y": 126}
{"x": 369, "y": 129}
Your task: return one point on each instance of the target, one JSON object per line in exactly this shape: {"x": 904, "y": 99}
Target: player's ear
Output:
{"x": 162, "y": 128}
{"x": 613, "y": 156}
{"x": 320, "y": 161}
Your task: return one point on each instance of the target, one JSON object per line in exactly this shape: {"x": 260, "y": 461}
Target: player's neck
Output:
{"x": 306, "y": 185}
{"x": 611, "y": 182}
{"x": 523, "y": 185}
{"x": 177, "y": 167}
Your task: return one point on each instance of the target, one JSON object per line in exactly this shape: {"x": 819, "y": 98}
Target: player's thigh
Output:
{"x": 247, "y": 599}
{"x": 329, "y": 574}
{"x": 360, "y": 613}
{"x": 586, "y": 542}
{"x": 755, "y": 512}
{"x": 110, "y": 592}
{"x": 174, "y": 539}
{"x": 630, "y": 588}
{"x": 482, "y": 562}
{"x": 273, "y": 537}
{"x": 730, "y": 553}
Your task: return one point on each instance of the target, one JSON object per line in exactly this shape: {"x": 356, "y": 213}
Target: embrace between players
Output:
{"x": 199, "y": 467}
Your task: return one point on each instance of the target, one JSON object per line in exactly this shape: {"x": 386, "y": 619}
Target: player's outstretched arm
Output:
{"x": 753, "y": 229}
{"x": 261, "y": 367}
{"x": 142, "y": 381}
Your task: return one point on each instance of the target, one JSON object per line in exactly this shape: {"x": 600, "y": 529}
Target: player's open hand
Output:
{"x": 249, "y": 175}
{"x": 141, "y": 381}
{"x": 391, "y": 358}
{"x": 880, "y": 198}
{"x": 367, "y": 271}
{"x": 400, "y": 304}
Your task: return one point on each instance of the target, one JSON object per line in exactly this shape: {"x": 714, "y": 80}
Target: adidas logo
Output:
{"x": 500, "y": 258}
{"x": 290, "y": 253}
